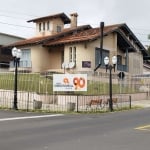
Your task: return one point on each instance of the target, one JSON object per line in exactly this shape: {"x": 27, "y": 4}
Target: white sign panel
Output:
{"x": 69, "y": 82}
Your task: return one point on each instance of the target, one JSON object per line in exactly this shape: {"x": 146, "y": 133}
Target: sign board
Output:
{"x": 86, "y": 64}
{"x": 69, "y": 82}
{"x": 121, "y": 75}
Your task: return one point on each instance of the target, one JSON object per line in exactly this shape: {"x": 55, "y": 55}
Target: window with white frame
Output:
{"x": 43, "y": 26}
{"x": 58, "y": 28}
{"x": 48, "y": 25}
{"x": 72, "y": 54}
{"x": 25, "y": 60}
{"x": 40, "y": 27}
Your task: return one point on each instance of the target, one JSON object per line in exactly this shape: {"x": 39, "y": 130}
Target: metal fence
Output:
{"x": 35, "y": 92}
{"x": 30, "y": 101}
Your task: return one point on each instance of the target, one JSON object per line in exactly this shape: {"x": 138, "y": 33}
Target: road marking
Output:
{"x": 144, "y": 128}
{"x": 30, "y": 117}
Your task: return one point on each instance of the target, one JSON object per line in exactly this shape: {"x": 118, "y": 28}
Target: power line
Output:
{"x": 16, "y": 25}
{"x": 18, "y": 13}
{"x": 21, "y": 18}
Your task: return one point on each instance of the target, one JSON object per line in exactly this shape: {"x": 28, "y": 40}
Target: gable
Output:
{"x": 64, "y": 18}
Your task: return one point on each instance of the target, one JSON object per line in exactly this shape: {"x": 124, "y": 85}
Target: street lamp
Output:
{"x": 110, "y": 67}
{"x": 16, "y": 53}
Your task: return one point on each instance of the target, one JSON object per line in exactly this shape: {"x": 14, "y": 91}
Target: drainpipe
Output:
{"x": 101, "y": 45}
{"x": 127, "y": 60}
{"x": 101, "y": 41}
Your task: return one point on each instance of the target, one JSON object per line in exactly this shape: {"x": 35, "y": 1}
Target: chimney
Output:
{"x": 73, "y": 20}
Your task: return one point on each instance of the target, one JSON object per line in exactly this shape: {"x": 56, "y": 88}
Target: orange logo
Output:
{"x": 79, "y": 82}
{"x": 66, "y": 81}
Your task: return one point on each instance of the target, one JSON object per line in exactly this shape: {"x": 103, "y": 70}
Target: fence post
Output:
{"x": 28, "y": 103}
{"x": 77, "y": 104}
{"x": 130, "y": 101}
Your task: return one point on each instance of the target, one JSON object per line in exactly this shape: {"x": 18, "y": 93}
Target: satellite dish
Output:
{"x": 65, "y": 65}
{"x": 71, "y": 64}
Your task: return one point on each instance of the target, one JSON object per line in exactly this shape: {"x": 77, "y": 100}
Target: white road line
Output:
{"x": 146, "y": 128}
{"x": 30, "y": 117}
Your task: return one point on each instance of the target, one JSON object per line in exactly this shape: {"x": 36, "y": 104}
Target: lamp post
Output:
{"x": 110, "y": 67}
{"x": 16, "y": 53}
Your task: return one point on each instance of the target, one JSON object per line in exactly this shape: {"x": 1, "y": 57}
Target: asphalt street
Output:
{"x": 128, "y": 130}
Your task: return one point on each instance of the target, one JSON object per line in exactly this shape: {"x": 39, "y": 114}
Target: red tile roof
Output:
{"x": 42, "y": 39}
{"x": 85, "y": 35}
{"x": 69, "y": 35}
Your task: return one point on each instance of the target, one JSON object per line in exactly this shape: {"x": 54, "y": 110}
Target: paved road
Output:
{"x": 115, "y": 131}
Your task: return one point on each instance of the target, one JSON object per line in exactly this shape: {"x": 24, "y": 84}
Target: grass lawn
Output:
{"x": 41, "y": 84}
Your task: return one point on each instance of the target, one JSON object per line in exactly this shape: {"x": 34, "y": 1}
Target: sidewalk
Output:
{"x": 141, "y": 103}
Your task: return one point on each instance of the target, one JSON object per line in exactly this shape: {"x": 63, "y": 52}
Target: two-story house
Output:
{"x": 76, "y": 48}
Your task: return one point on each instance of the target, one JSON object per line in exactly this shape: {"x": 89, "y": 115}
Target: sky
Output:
{"x": 14, "y": 14}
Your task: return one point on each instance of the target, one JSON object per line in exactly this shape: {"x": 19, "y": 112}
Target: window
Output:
{"x": 72, "y": 54}
{"x": 48, "y": 25}
{"x": 6, "y": 51}
{"x": 119, "y": 59}
{"x": 43, "y": 26}
{"x": 39, "y": 26}
{"x": 99, "y": 58}
{"x": 62, "y": 57}
{"x": 25, "y": 60}
{"x": 58, "y": 28}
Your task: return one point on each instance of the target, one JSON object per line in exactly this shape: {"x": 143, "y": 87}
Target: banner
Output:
{"x": 69, "y": 82}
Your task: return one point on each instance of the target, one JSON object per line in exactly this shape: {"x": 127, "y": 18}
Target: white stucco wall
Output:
{"x": 53, "y": 23}
{"x": 44, "y": 58}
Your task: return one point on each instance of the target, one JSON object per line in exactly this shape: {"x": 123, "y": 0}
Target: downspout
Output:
{"x": 127, "y": 60}
{"x": 101, "y": 45}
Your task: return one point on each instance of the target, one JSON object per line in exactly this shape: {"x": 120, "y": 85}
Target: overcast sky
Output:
{"x": 14, "y": 14}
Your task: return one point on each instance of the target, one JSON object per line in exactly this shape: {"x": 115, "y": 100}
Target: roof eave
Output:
{"x": 63, "y": 16}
